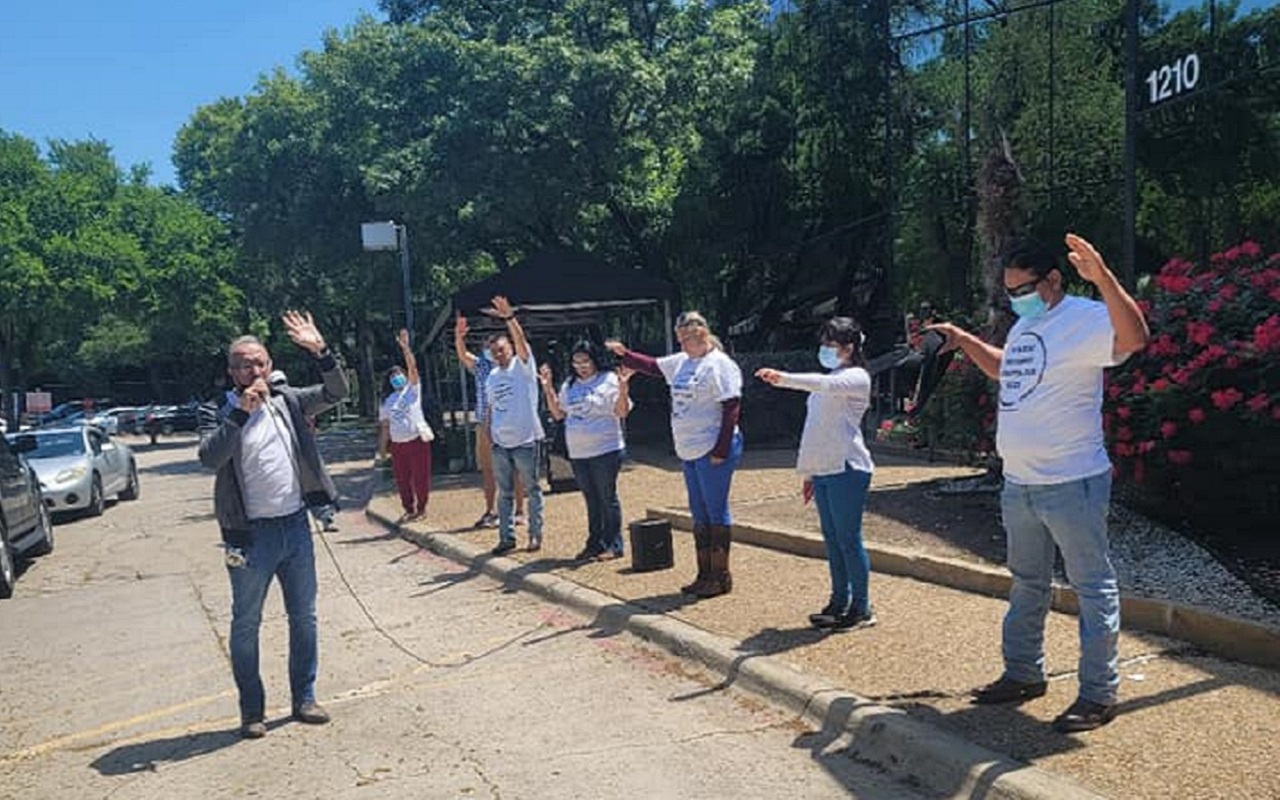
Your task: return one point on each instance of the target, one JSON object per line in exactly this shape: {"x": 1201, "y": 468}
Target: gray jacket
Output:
{"x": 221, "y": 424}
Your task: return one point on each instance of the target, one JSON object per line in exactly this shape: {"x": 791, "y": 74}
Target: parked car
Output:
{"x": 80, "y": 467}
{"x": 25, "y": 527}
{"x": 169, "y": 419}
{"x": 128, "y": 419}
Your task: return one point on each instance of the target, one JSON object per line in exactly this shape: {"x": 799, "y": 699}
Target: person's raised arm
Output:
{"x": 549, "y": 392}
{"x": 1126, "y": 318}
{"x": 460, "y": 329}
{"x": 501, "y": 308}
{"x": 985, "y": 356}
{"x": 622, "y": 406}
{"x": 644, "y": 364}
{"x": 410, "y": 361}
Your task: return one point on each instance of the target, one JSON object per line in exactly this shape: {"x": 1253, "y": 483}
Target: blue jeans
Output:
{"x": 840, "y": 499}
{"x": 1072, "y": 516}
{"x": 507, "y": 461}
{"x": 598, "y": 479}
{"x": 708, "y": 486}
{"x": 279, "y": 547}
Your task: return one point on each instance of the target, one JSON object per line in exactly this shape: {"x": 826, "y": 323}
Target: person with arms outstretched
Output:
{"x": 403, "y": 430}
{"x": 1057, "y": 476}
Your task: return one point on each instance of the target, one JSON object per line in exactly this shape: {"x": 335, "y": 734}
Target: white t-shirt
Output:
{"x": 402, "y": 410}
{"x": 1049, "y": 428}
{"x": 832, "y": 434}
{"x": 513, "y": 403}
{"x": 698, "y": 387}
{"x": 270, "y": 484}
{"x": 591, "y": 426}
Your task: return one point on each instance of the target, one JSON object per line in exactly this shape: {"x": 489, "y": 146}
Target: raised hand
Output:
{"x": 460, "y": 327}
{"x": 402, "y": 339}
{"x": 624, "y": 374}
{"x": 616, "y": 347}
{"x": 500, "y": 307}
{"x": 769, "y": 376}
{"x": 544, "y": 376}
{"x": 952, "y": 333}
{"x": 1085, "y": 258}
{"x": 303, "y": 331}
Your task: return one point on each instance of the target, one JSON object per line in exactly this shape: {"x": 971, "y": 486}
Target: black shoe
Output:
{"x": 311, "y": 713}
{"x": 854, "y": 620}
{"x": 826, "y": 617}
{"x": 1084, "y": 715}
{"x": 587, "y": 554}
{"x": 1008, "y": 691}
{"x": 503, "y": 548}
{"x": 253, "y": 729}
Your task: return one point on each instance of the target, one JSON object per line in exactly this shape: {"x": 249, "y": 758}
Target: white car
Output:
{"x": 80, "y": 467}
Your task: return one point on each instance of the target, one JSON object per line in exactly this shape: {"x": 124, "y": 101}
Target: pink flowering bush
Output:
{"x": 1193, "y": 421}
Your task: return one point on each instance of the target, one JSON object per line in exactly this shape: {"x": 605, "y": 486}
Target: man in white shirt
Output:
{"x": 268, "y": 473}
{"x": 512, "y": 389}
{"x": 1057, "y": 474}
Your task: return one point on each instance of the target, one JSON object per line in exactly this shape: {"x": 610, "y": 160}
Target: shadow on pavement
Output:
{"x": 148, "y": 756}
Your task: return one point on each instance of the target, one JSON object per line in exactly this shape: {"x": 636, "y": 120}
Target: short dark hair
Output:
{"x": 494, "y": 337}
{"x": 1031, "y": 255}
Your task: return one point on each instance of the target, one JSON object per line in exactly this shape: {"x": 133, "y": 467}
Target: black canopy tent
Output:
{"x": 554, "y": 291}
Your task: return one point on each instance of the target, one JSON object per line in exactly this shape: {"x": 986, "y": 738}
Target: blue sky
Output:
{"x": 131, "y": 72}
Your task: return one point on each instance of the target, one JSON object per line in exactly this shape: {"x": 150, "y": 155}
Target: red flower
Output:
{"x": 1159, "y": 385}
{"x": 1224, "y": 399}
{"x": 1266, "y": 337}
{"x": 1215, "y": 306}
{"x": 1124, "y": 434}
{"x": 1196, "y": 415}
{"x": 1123, "y": 412}
{"x": 1168, "y": 428}
{"x": 1124, "y": 449}
{"x": 1258, "y": 403}
{"x": 1115, "y": 390}
{"x": 1228, "y": 291}
{"x": 1181, "y": 457}
{"x": 1250, "y": 248}
{"x": 1146, "y": 447}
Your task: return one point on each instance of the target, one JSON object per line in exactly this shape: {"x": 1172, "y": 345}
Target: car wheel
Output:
{"x": 7, "y": 573}
{"x": 97, "y": 503}
{"x": 45, "y": 547}
{"x": 167, "y": 429}
{"x": 132, "y": 491}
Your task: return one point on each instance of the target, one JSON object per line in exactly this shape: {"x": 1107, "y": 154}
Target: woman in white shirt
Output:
{"x": 593, "y": 402}
{"x": 836, "y": 466}
{"x": 402, "y": 424}
{"x": 706, "y": 395}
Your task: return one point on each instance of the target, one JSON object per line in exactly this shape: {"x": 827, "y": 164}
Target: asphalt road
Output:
{"x": 115, "y": 682}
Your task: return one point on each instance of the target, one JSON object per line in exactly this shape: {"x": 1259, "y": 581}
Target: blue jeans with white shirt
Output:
{"x": 280, "y": 547}
{"x": 840, "y": 499}
{"x": 1073, "y": 517}
{"x": 708, "y": 486}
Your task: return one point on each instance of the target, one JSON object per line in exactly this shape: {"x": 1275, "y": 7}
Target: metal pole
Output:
{"x": 1130, "y": 234}
{"x": 403, "y": 235}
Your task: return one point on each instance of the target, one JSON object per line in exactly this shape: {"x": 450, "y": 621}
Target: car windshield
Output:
{"x": 56, "y": 445}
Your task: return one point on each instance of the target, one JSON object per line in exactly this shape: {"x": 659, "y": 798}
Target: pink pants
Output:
{"x": 411, "y": 465}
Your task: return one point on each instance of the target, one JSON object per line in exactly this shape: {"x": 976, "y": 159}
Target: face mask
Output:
{"x": 398, "y": 382}
{"x": 829, "y": 356}
{"x": 1028, "y": 306}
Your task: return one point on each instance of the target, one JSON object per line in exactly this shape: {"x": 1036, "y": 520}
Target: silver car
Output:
{"x": 80, "y": 467}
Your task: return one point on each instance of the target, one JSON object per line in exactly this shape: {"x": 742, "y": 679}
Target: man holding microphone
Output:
{"x": 268, "y": 473}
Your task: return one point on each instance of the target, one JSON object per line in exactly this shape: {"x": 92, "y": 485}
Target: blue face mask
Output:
{"x": 829, "y": 356}
{"x": 398, "y": 382}
{"x": 1028, "y": 306}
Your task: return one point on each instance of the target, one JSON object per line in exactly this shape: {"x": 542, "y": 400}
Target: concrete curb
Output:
{"x": 1242, "y": 640}
{"x": 913, "y": 751}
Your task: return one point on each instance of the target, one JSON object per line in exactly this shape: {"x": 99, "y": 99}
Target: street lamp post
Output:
{"x": 391, "y": 236}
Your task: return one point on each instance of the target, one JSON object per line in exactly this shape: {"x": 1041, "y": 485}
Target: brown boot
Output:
{"x": 719, "y": 579}
{"x": 702, "y": 542}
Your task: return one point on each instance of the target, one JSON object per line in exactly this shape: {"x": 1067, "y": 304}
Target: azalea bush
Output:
{"x": 1193, "y": 421}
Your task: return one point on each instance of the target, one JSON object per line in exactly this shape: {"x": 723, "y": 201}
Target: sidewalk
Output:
{"x": 1191, "y": 724}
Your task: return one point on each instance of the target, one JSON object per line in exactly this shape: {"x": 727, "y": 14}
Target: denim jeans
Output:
{"x": 507, "y": 461}
{"x": 598, "y": 479}
{"x": 1072, "y": 516}
{"x": 840, "y": 499}
{"x": 279, "y": 547}
{"x": 708, "y": 486}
